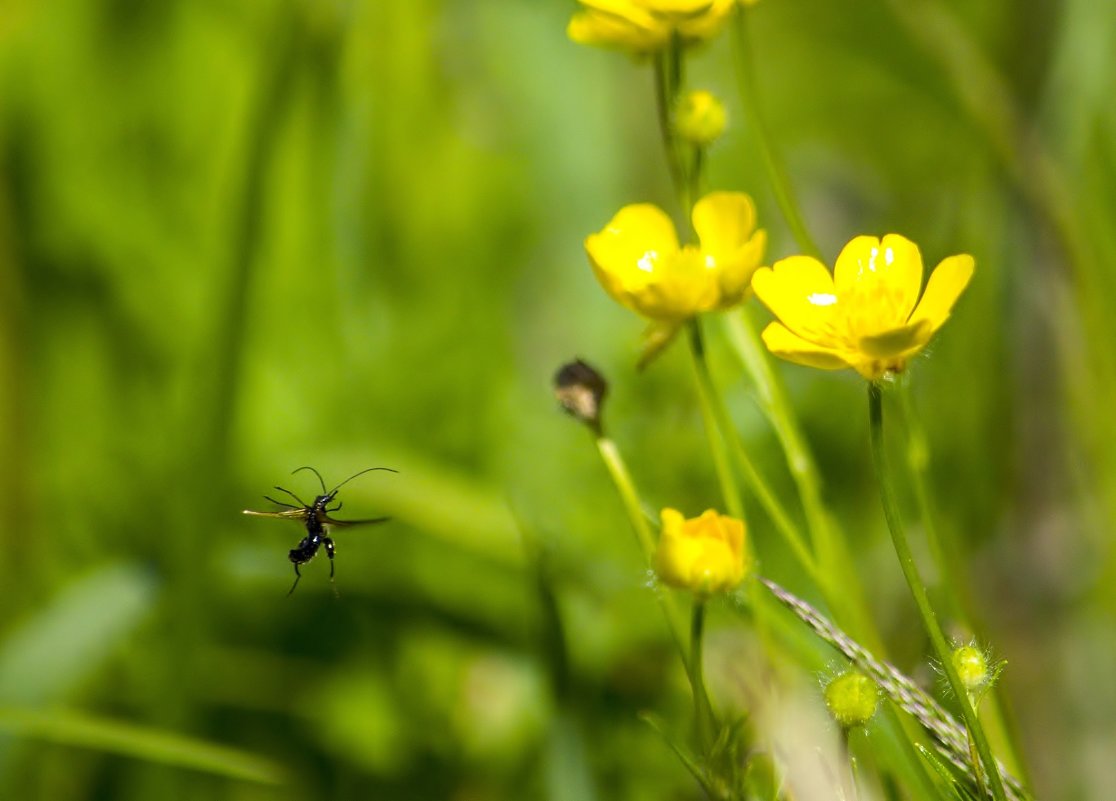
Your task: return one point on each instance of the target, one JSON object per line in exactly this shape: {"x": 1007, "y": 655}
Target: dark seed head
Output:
{"x": 581, "y": 391}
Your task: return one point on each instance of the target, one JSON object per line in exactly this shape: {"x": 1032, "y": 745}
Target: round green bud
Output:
{"x": 700, "y": 118}
{"x": 852, "y": 698}
{"x": 972, "y": 668}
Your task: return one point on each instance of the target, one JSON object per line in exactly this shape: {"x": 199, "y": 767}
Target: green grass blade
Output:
{"x": 77, "y": 729}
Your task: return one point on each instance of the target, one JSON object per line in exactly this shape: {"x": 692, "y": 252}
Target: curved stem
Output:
{"x": 918, "y": 591}
{"x": 776, "y": 172}
{"x": 622, "y": 479}
{"x": 628, "y": 494}
{"x": 717, "y": 427}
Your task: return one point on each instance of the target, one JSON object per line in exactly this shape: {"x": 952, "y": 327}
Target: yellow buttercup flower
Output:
{"x": 867, "y": 315}
{"x": 644, "y": 26}
{"x": 704, "y": 554}
{"x": 639, "y": 262}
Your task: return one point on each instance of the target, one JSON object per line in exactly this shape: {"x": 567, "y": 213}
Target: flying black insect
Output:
{"x": 315, "y": 516}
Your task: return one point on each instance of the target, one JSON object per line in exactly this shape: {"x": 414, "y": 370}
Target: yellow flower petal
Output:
{"x": 800, "y": 292}
{"x": 724, "y": 222}
{"x": 682, "y": 285}
{"x": 880, "y": 279}
{"x": 685, "y": 8}
{"x": 736, "y": 272}
{"x": 706, "y": 26}
{"x": 601, "y": 29}
{"x": 788, "y": 345}
{"x": 946, "y": 284}
{"x": 893, "y": 344}
{"x": 626, "y": 254}
{"x": 704, "y": 555}
{"x": 630, "y": 10}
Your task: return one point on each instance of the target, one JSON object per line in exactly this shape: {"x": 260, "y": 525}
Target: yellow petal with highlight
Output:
{"x": 725, "y": 223}
{"x": 627, "y": 252}
{"x": 946, "y": 284}
{"x": 788, "y": 345}
{"x": 903, "y": 265}
{"x": 799, "y": 291}
{"x": 881, "y": 276}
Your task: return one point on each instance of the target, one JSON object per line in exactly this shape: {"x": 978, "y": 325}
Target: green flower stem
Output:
{"x": 849, "y": 778}
{"x": 950, "y": 583}
{"x": 830, "y": 564}
{"x": 717, "y": 426}
{"x": 918, "y": 458}
{"x": 776, "y": 172}
{"x": 918, "y": 590}
{"x": 668, "y": 78}
{"x": 622, "y": 479}
{"x": 767, "y": 498}
{"x": 975, "y": 757}
{"x": 626, "y": 487}
{"x": 703, "y": 711}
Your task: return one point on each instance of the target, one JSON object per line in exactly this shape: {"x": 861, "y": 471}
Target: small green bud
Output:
{"x": 700, "y": 118}
{"x": 972, "y": 668}
{"x": 852, "y": 699}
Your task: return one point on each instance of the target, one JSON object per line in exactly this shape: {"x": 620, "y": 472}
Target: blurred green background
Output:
{"x": 236, "y": 238}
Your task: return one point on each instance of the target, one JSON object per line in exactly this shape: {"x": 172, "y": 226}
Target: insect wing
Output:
{"x": 292, "y": 514}
{"x": 329, "y": 521}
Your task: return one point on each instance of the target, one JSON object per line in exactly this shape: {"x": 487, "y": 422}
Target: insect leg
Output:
{"x": 297, "y": 577}
{"x": 280, "y": 503}
{"x": 328, "y": 543}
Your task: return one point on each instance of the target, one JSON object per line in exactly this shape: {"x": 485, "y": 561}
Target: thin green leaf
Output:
{"x": 78, "y": 729}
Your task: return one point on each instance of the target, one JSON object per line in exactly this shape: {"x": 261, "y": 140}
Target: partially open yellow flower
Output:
{"x": 704, "y": 554}
{"x": 643, "y": 26}
{"x": 639, "y": 262}
{"x": 865, "y": 315}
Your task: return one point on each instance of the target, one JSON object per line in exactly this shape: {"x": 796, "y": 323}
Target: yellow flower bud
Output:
{"x": 852, "y": 699}
{"x": 700, "y": 118}
{"x": 703, "y": 554}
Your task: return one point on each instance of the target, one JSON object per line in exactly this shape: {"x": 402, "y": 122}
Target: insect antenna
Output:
{"x": 361, "y": 473}
{"x": 315, "y": 472}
